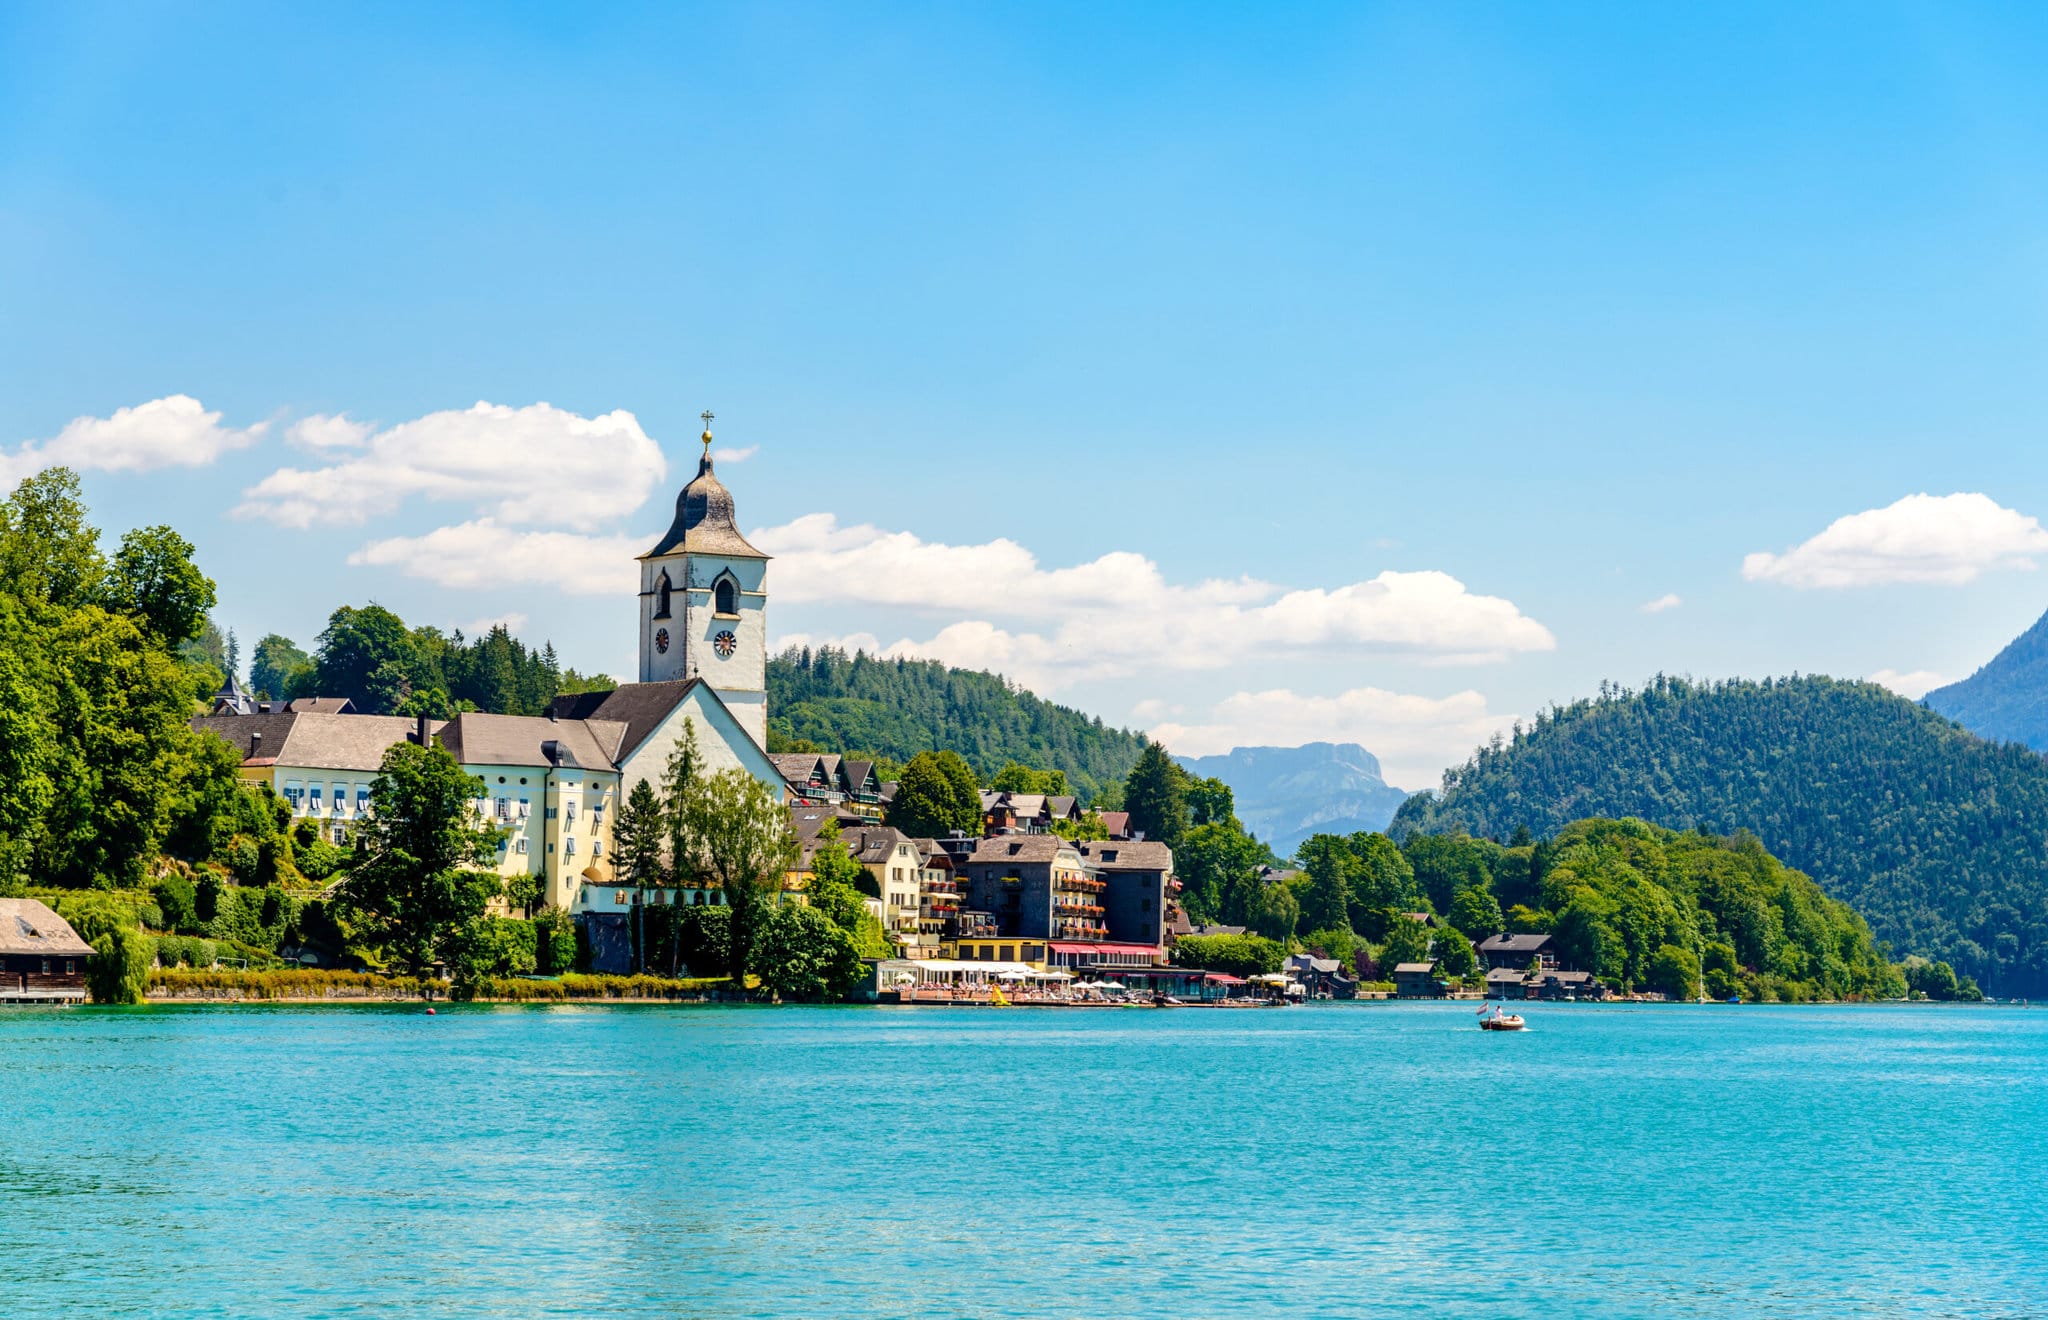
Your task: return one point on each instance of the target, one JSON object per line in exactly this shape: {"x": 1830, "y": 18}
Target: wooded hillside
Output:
{"x": 1937, "y": 837}
{"x": 899, "y": 708}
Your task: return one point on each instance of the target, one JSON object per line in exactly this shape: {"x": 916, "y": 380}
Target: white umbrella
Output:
{"x": 1011, "y": 976}
{"x": 905, "y": 978}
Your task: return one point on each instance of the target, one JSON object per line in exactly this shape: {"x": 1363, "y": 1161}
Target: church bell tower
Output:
{"x": 703, "y": 601}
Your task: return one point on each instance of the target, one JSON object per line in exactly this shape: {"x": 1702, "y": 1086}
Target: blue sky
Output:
{"x": 1437, "y": 341}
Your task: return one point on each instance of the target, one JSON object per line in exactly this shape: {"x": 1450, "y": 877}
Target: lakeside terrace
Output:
{"x": 954, "y": 981}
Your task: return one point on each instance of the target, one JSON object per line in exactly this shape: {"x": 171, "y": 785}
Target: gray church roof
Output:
{"x": 704, "y": 522}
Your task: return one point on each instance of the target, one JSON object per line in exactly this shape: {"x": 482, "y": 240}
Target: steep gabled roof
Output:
{"x": 641, "y": 707}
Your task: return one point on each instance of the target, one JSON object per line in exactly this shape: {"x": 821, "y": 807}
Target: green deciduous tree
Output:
{"x": 118, "y": 971}
{"x": 1383, "y": 885}
{"x": 1218, "y": 867}
{"x": 1475, "y": 911}
{"x": 1210, "y": 802}
{"x": 411, "y": 894}
{"x": 1019, "y": 778}
{"x": 1453, "y": 952}
{"x": 279, "y": 670}
{"x": 931, "y": 802}
{"x": 365, "y": 654}
{"x": 1088, "y": 829}
{"x": 739, "y": 838}
{"x": 49, "y": 553}
{"x": 155, "y": 582}
{"x": 1406, "y": 940}
{"x": 1274, "y": 911}
{"x": 803, "y": 957}
{"x": 834, "y": 890}
{"x": 1675, "y": 971}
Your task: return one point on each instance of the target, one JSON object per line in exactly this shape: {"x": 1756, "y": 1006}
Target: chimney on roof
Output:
{"x": 419, "y": 734}
{"x": 552, "y": 716}
{"x": 255, "y": 744}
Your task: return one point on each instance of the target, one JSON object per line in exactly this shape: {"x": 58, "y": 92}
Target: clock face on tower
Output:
{"x": 661, "y": 640}
{"x": 725, "y": 644}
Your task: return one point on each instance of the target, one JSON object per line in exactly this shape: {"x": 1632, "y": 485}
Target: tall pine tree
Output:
{"x": 1156, "y": 796}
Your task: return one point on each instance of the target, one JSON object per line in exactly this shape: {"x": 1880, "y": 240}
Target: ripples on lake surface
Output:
{"x": 1328, "y": 1160}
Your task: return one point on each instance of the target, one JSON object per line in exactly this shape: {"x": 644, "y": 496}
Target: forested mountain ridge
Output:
{"x": 898, "y": 708}
{"x": 1938, "y": 837}
{"x": 2006, "y": 700}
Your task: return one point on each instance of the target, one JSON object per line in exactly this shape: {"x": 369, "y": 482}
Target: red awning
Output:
{"x": 1141, "y": 950}
{"x": 1222, "y": 979}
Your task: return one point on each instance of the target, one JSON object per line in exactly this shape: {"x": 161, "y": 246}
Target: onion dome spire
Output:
{"x": 706, "y": 522}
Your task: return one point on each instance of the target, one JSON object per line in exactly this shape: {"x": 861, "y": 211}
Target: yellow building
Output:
{"x": 551, "y": 789}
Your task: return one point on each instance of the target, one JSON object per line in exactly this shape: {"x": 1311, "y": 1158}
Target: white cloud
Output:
{"x": 536, "y": 465}
{"x": 511, "y": 623}
{"x": 174, "y": 431}
{"x": 1668, "y": 601}
{"x": 322, "y": 432}
{"x": 1414, "y": 737}
{"x": 1921, "y": 538}
{"x": 1913, "y": 684}
{"x": 1117, "y": 614}
{"x": 481, "y": 554}
{"x": 734, "y": 454}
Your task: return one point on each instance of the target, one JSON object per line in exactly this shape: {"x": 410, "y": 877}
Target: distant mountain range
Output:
{"x": 1285, "y": 794}
{"x": 2006, "y": 700}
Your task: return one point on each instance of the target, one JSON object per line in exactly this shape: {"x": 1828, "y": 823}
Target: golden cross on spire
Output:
{"x": 707, "y": 415}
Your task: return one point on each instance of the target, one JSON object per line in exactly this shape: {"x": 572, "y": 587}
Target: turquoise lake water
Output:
{"x": 1327, "y": 1160}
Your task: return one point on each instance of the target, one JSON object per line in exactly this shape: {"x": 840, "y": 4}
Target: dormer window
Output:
{"x": 661, "y": 595}
{"x": 725, "y": 596}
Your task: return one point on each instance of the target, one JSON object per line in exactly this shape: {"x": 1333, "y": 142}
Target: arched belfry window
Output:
{"x": 726, "y": 596}
{"x": 661, "y": 593}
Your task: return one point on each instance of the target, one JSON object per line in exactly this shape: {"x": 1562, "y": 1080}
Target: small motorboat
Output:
{"x": 1503, "y": 1022}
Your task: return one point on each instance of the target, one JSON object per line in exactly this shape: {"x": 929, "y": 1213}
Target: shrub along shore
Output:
{"x": 317, "y": 985}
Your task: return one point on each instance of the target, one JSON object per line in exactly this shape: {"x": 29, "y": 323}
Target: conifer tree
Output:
{"x": 636, "y": 852}
{"x": 1156, "y": 796}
